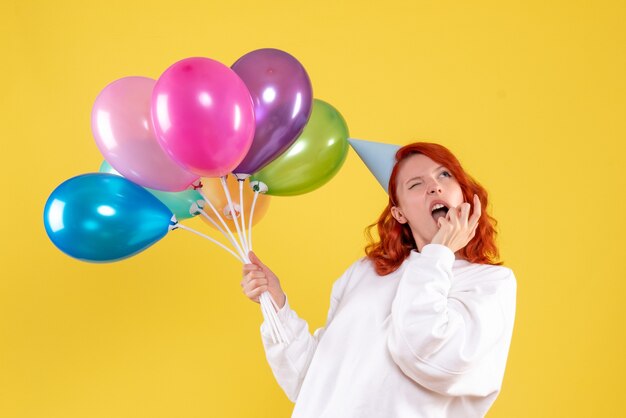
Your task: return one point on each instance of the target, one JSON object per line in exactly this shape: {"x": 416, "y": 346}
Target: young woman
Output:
{"x": 421, "y": 326}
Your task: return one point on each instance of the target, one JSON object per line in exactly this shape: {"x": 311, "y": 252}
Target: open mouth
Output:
{"x": 439, "y": 211}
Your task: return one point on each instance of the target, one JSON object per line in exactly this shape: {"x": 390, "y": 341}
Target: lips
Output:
{"x": 438, "y": 202}
{"x": 438, "y": 209}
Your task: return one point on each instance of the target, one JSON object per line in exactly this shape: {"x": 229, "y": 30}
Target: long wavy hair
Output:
{"x": 396, "y": 241}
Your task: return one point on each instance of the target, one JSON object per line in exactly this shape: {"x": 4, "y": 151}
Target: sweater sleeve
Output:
{"x": 290, "y": 362}
{"x": 453, "y": 341}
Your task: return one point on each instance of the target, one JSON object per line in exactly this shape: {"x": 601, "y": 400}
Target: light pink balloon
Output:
{"x": 122, "y": 125}
{"x": 203, "y": 116}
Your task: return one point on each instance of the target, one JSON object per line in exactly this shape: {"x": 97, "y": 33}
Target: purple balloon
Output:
{"x": 283, "y": 98}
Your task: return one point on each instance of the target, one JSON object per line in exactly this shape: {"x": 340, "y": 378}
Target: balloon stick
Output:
{"x": 243, "y": 217}
{"x": 232, "y": 237}
{"x": 186, "y": 228}
{"x": 256, "y": 195}
{"x": 232, "y": 211}
{"x": 201, "y": 211}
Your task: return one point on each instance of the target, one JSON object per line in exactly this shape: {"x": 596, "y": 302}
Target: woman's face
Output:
{"x": 422, "y": 186}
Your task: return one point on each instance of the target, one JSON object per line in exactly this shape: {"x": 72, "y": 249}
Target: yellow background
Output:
{"x": 529, "y": 94}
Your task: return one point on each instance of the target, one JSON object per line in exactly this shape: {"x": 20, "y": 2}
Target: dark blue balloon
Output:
{"x": 103, "y": 217}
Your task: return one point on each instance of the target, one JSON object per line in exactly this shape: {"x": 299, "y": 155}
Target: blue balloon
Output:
{"x": 103, "y": 217}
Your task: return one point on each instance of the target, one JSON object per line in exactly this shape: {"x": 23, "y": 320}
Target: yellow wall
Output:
{"x": 529, "y": 95}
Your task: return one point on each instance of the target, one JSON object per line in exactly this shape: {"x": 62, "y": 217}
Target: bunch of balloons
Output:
{"x": 184, "y": 145}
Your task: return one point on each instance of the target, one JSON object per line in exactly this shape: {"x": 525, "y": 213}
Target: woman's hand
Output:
{"x": 458, "y": 228}
{"x": 257, "y": 278}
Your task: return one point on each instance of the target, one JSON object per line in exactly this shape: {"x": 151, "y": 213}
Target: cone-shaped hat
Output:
{"x": 378, "y": 157}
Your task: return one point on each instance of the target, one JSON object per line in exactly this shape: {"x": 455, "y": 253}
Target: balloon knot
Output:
{"x": 173, "y": 223}
{"x": 258, "y": 186}
{"x": 241, "y": 176}
{"x": 196, "y": 207}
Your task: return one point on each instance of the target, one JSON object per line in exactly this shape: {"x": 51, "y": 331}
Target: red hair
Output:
{"x": 396, "y": 240}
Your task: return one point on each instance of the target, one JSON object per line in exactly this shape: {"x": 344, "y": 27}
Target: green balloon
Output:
{"x": 313, "y": 159}
{"x": 178, "y": 202}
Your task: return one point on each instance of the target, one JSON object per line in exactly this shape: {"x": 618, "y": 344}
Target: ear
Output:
{"x": 398, "y": 215}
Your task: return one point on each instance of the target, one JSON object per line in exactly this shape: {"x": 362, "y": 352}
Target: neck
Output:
{"x": 457, "y": 255}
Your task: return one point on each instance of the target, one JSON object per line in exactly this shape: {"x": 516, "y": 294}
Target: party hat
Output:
{"x": 378, "y": 157}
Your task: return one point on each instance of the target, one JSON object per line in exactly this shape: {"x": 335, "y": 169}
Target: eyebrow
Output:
{"x": 419, "y": 177}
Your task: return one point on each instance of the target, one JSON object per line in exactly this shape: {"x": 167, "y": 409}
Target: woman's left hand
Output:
{"x": 458, "y": 228}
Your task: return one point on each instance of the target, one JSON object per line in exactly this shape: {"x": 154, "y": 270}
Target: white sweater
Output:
{"x": 429, "y": 340}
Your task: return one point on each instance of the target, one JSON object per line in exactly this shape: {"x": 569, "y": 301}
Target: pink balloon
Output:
{"x": 122, "y": 126}
{"x": 203, "y": 116}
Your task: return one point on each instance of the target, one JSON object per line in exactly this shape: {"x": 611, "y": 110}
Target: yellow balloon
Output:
{"x": 213, "y": 190}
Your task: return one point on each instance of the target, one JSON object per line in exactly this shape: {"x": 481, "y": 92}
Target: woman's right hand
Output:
{"x": 258, "y": 278}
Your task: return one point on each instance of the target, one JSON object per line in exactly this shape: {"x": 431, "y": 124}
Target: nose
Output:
{"x": 434, "y": 188}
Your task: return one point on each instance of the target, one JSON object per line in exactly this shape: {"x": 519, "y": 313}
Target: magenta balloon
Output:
{"x": 203, "y": 116}
{"x": 122, "y": 126}
{"x": 283, "y": 98}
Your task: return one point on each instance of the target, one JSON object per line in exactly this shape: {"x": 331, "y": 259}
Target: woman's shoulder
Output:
{"x": 484, "y": 274}
{"x": 358, "y": 269}
{"x": 496, "y": 270}
{"x": 361, "y": 266}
